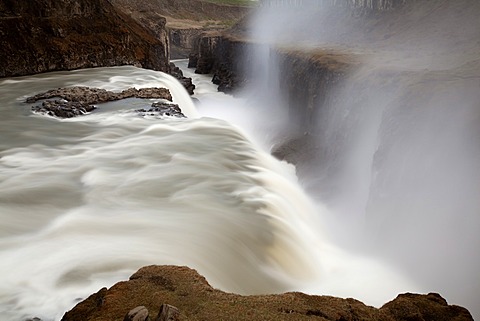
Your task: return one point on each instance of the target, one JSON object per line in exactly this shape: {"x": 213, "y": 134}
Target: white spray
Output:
{"x": 398, "y": 149}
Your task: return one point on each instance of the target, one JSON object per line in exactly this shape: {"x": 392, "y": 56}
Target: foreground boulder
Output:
{"x": 154, "y": 286}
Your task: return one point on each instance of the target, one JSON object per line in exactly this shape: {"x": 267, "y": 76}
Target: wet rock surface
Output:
{"x": 185, "y": 81}
{"x": 63, "y": 109}
{"x": 77, "y": 101}
{"x": 160, "y": 109}
{"x": 184, "y": 290}
{"x": 221, "y": 55}
{"x": 89, "y": 95}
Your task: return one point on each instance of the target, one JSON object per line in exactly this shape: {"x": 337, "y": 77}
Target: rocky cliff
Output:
{"x": 195, "y": 299}
{"x": 319, "y": 71}
{"x": 42, "y": 35}
{"x": 185, "y": 19}
{"x": 378, "y": 5}
{"x": 224, "y": 55}
{"x": 362, "y": 5}
{"x": 414, "y": 65}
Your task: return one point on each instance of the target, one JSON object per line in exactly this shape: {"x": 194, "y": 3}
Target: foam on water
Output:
{"x": 86, "y": 202}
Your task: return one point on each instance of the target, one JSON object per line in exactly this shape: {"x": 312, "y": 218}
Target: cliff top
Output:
{"x": 185, "y": 289}
{"x": 190, "y": 13}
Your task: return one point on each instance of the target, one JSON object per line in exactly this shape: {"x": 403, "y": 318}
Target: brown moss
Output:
{"x": 197, "y": 300}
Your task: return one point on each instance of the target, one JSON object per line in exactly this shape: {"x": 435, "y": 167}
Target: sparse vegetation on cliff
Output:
{"x": 195, "y": 299}
{"x": 234, "y": 2}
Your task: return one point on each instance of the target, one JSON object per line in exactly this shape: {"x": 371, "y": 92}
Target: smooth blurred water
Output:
{"x": 394, "y": 144}
{"x": 85, "y": 202}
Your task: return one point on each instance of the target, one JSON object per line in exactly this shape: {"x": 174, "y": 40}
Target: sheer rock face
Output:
{"x": 223, "y": 56}
{"x": 378, "y": 5}
{"x": 44, "y": 35}
{"x": 186, "y": 19}
{"x": 366, "y": 6}
{"x": 185, "y": 289}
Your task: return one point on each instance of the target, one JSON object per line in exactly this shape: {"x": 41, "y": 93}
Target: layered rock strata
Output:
{"x": 185, "y": 20}
{"x": 39, "y": 36}
{"x": 365, "y": 6}
{"x": 223, "y": 56}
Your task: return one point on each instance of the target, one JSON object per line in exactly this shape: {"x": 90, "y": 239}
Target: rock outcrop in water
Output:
{"x": 63, "y": 109}
{"x": 183, "y": 288}
{"x": 160, "y": 109}
{"x": 96, "y": 95}
{"x": 39, "y": 36}
{"x": 78, "y": 101}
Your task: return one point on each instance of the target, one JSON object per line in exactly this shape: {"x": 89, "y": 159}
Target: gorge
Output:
{"x": 380, "y": 123}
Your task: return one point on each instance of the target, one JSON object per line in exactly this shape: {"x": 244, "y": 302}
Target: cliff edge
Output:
{"x": 40, "y": 35}
{"x": 195, "y": 299}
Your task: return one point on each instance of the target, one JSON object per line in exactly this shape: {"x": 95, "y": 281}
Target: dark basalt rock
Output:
{"x": 96, "y": 95}
{"x": 79, "y": 101}
{"x": 223, "y": 56}
{"x": 162, "y": 109}
{"x": 43, "y": 35}
{"x": 185, "y": 81}
{"x": 188, "y": 84}
{"x": 63, "y": 109}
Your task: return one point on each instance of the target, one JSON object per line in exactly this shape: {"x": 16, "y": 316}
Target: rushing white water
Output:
{"x": 85, "y": 202}
{"x": 396, "y": 153}
{"x": 85, "y": 209}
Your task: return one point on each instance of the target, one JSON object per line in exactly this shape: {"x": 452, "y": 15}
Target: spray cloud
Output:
{"x": 398, "y": 152}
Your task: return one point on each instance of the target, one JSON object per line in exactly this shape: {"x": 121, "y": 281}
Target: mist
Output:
{"x": 397, "y": 143}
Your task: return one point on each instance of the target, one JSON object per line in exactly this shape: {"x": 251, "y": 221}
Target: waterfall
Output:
{"x": 392, "y": 203}
{"x": 85, "y": 202}
{"x": 395, "y": 147}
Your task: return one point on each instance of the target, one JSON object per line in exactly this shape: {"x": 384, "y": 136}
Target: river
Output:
{"x": 85, "y": 202}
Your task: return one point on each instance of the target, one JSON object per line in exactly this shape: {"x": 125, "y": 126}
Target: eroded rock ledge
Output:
{"x": 97, "y": 95}
{"x": 76, "y": 101}
{"x": 185, "y": 289}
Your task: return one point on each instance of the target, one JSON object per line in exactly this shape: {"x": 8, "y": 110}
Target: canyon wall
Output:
{"x": 318, "y": 72}
{"x": 389, "y": 131}
{"x": 373, "y": 5}
{"x": 222, "y": 56}
{"x": 363, "y": 5}
{"x": 185, "y": 19}
{"x": 42, "y": 35}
